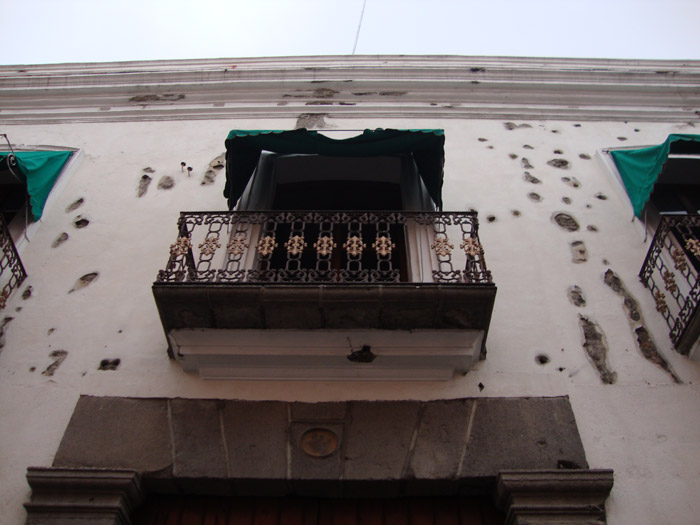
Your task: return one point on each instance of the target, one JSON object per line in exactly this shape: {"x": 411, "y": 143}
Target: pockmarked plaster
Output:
{"x": 643, "y": 426}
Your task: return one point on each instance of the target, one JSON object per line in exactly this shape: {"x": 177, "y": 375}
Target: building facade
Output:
{"x": 447, "y": 307}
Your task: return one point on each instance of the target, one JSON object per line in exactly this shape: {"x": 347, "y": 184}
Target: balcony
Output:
{"x": 240, "y": 289}
{"x": 671, "y": 273}
{"x": 12, "y": 272}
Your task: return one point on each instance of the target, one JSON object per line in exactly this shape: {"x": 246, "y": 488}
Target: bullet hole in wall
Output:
{"x": 601, "y": 196}
{"x": 482, "y": 139}
{"x": 512, "y": 125}
{"x": 219, "y": 162}
{"x": 63, "y": 237}
{"x": 566, "y": 200}
{"x": 109, "y": 364}
{"x": 526, "y": 164}
{"x": 562, "y": 164}
{"x": 50, "y": 331}
{"x": 555, "y": 131}
{"x": 32, "y": 369}
{"x": 58, "y": 357}
{"x": 565, "y": 221}
{"x": 645, "y": 343}
{"x": 27, "y": 293}
{"x": 166, "y": 183}
{"x": 489, "y": 147}
{"x": 75, "y": 205}
{"x": 584, "y": 156}
{"x": 83, "y": 281}
{"x": 148, "y": 169}
{"x": 144, "y": 182}
{"x": 311, "y": 120}
{"x": 209, "y": 177}
{"x": 481, "y": 387}
{"x": 169, "y": 97}
{"x": 324, "y": 93}
{"x": 6, "y": 320}
{"x": 596, "y": 348}
{"x": 577, "y": 125}
{"x": 516, "y": 213}
{"x": 571, "y": 181}
{"x": 542, "y": 359}
{"x": 576, "y": 297}
{"x": 534, "y": 196}
{"x": 558, "y": 152}
{"x": 527, "y": 146}
{"x": 80, "y": 222}
{"x": 648, "y": 349}
{"x": 529, "y": 178}
{"x": 636, "y": 130}
{"x": 592, "y": 228}
{"x": 579, "y": 254}
{"x": 622, "y": 139}
{"x": 491, "y": 218}
{"x": 512, "y": 155}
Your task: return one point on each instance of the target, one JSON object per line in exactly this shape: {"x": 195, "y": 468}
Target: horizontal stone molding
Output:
{"x": 353, "y": 87}
{"x": 387, "y": 441}
{"x": 554, "y": 496}
{"x": 99, "y": 497}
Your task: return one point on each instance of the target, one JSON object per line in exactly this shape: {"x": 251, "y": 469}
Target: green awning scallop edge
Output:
{"x": 640, "y": 168}
{"x": 40, "y": 170}
{"x": 243, "y": 149}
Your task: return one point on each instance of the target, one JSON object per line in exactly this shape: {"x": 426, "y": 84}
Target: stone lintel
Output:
{"x": 554, "y": 496}
{"x": 62, "y": 496}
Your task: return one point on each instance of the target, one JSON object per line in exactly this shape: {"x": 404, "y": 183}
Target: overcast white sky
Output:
{"x": 51, "y": 31}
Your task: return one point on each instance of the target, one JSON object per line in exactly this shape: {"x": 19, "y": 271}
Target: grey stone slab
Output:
{"x": 345, "y": 307}
{"x": 182, "y": 306}
{"x": 441, "y": 439}
{"x": 378, "y": 439}
{"x": 522, "y": 433}
{"x": 292, "y": 307}
{"x": 236, "y": 307}
{"x": 318, "y": 411}
{"x": 117, "y": 433}
{"x": 305, "y": 466}
{"x": 197, "y": 440}
{"x": 256, "y": 439}
{"x": 468, "y": 307}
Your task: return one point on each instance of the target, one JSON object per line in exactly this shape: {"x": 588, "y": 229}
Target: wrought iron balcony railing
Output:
{"x": 326, "y": 247}
{"x": 671, "y": 271}
{"x": 12, "y": 272}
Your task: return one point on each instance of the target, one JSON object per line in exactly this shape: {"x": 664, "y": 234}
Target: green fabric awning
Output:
{"x": 39, "y": 169}
{"x": 640, "y": 168}
{"x": 243, "y": 149}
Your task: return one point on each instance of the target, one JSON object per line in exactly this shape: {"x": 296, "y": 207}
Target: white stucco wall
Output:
{"x": 644, "y": 427}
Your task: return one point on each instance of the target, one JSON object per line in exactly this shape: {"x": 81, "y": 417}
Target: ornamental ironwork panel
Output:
{"x": 671, "y": 271}
{"x": 326, "y": 247}
{"x": 12, "y": 272}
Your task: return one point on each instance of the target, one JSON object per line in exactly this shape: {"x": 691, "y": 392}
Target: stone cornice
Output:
{"x": 101, "y": 497}
{"x": 353, "y": 86}
{"x": 532, "y": 497}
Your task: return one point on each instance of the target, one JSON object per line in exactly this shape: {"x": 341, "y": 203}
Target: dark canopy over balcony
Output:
{"x": 243, "y": 149}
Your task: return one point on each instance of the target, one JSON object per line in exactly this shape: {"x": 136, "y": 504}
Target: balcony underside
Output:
{"x": 404, "y": 306}
{"x": 413, "y": 331}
